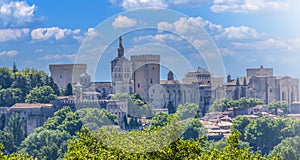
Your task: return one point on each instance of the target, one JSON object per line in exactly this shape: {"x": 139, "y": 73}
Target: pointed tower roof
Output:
{"x": 237, "y": 81}
{"x": 245, "y": 82}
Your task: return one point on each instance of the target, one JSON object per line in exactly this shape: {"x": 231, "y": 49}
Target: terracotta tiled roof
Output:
{"x": 30, "y": 105}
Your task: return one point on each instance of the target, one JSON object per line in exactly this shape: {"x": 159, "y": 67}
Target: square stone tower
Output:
{"x": 146, "y": 72}
{"x": 63, "y": 74}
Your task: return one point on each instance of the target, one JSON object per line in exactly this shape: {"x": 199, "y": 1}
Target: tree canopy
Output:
{"x": 15, "y": 85}
{"x": 137, "y": 108}
{"x": 275, "y": 105}
{"x": 13, "y": 133}
{"x": 42, "y": 94}
{"x": 50, "y": 140}
{"x": 69, "y": 90}
{"x": 264, "y": 133}
{"x": 91, "y": 145}
{"x": 222, "y": 105}
{"x": 160, "y": 119}
{"x": 94, "y": 118}
{"x": 287, "y": 149}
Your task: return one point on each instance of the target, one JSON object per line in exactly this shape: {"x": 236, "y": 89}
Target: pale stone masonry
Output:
{"x": 146, "y": 73}
{"x": 32, "y": 115}
{"x": 262, "y": 84}
{"x": 257, "y": 72}
{"x": 136, "y": 75}
{"x": 121, "y": 71}
{"x": 63, "y": 74}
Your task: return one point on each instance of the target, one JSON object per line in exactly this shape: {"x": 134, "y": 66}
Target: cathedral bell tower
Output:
{"x": 121, "y": 71}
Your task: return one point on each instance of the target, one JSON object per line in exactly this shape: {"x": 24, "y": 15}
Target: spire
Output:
{"x": 237, "y": 81}
{"x": 120, "y": 49}
{"x": 15, "y": 68}
{"x": 120, "y": 42}
{"x": 245, "y": 82}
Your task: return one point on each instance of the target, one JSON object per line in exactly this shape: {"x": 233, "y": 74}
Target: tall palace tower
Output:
{"x": 146, "y": 72}
{"x": 121, "y": 71}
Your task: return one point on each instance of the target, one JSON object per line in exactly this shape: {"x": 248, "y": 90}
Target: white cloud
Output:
{"x": 123, "y": 22}
{"x": 13, "y": 34}
{"x": 270, "y": 44}
{"x": 9, "y": 53}
{"x": 90, "y": 35}
{"x": 243, "y": 6}
{"x": 158, "y": 37}
{"x": 200, "y": 43}
{"x": 188, "y": 3}
{"x": 241, "y": 32}
{"x": 226, "y": 52}
{"x": 187, "y": 25}
{"x": 137, "y": 4}
{"x": 53, "y": 32}
{"x": 15, "y": 13}
{"x": 39, "y": 50}
{"x": 58, "y": 57}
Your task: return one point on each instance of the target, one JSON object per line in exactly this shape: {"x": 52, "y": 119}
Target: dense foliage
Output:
{"x": 275, "y": 105}
{"x": 69, "y": 90}
{"x": 287, "y": 149}
{"x": 92, "y": 145}
{"x": 239, "y": 124}
{"x": 12, "y": 134}
{"x": 15, "y": 85}
{"x": 93, "y": 118}
{"x": 263, "y": 134}
{"x": 160, "y": 119}
{"x": 136, "y": 106}
{"x": 14, "y": 156}
{"x": 43, "y": 94}
{"x": 50, "y": 140}
{"x": 223, "y": 104}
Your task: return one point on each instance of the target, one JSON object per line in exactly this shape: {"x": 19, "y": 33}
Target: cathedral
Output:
{"x": 262, "y": 84}
{"x": 136, "y": 75}
{"x": 141, "y": 74}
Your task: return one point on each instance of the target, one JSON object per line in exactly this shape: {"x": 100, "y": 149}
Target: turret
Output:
{"x": 170, "y": 76}
{"x": 229, "y": 78}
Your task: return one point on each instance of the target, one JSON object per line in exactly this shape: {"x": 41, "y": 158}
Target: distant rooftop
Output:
{"x": 30, "y": 105}
{"x": 169, "y": 82}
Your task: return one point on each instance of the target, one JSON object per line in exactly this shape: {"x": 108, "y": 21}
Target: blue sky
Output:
{"x": 247, "y": 33}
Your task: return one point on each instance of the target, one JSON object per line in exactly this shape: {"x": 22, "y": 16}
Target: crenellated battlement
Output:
{"x": 149, "y": 57}
{"x": 67, "y": 66}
